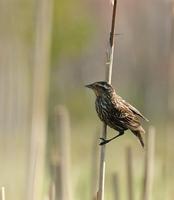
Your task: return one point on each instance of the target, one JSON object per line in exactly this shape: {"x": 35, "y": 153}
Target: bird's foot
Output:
{"x": 104, "y": 141}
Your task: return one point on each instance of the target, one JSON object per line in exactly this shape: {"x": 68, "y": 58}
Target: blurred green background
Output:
{"x": 48, "y": 51}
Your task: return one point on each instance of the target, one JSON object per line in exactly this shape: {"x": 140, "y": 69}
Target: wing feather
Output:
{"x": 133, "y": 109}
{"x": 125, "y": 116}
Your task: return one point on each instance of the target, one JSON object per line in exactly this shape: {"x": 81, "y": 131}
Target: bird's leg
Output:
{"x": 104, "y": 141}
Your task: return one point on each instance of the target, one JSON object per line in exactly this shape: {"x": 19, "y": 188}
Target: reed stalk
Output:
{"x": 109, "y": 64}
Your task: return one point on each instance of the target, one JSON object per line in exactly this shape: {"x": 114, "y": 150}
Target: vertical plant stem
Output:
{"x": 63, "y": 136}
{"x": 41, "y": 61}
{"x": 116, "y": 186}
{"x": 129, "y": 173}
{"x": 100, "y": 195}
{"x": 3, "y": 193}
{"x": 149, "y": 164}
{"x": 58, "y": 185}
{"x": 109, "y": 65}
{"x": 52, "y": 194}
{"x": 94, "y": 167}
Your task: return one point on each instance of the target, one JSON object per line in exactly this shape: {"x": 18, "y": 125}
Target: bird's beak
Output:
{"x": 89, "y": 86}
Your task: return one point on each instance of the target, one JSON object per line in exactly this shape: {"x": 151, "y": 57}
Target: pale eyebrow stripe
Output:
{"x": 104, "y": 86}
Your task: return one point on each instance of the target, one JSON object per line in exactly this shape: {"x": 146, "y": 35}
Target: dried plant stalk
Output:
{"x": 3, "y": 193}
{"x": 41, "y": 61}
{"x": 149, "y": 164}
{"x": 116, "y": 186}
{"x": 129, "y": 173}
{"x": 52, "y": 191}
{"x": 94, "y": 167}
{"x": 63, "y": 137}
{"x": 100, "y": 195}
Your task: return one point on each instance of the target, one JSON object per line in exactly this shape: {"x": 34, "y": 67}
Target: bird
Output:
{"x": 115, "y": 112}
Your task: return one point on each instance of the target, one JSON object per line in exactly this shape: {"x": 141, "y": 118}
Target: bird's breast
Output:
{"x": 102, "y": 108}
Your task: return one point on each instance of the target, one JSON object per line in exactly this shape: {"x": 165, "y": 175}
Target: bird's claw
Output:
{"x": 104, "y": 141}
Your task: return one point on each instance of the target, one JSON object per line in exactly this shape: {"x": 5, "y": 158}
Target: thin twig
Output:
{"x": 113, "y": 23}
{"x": 100, "y": 195}
{"x": 111, "y": 42}
{"x": 109, "y": 64}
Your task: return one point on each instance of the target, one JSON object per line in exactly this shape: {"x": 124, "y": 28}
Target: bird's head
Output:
{"x": 101, "y": 88}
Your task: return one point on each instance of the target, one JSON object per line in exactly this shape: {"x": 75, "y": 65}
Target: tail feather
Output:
{"x": 138, "y": 134}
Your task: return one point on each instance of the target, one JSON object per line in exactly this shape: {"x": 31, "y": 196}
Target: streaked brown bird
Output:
{"x": 116, "y": 112}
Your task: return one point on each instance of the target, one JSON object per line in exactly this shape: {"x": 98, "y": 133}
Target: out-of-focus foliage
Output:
{"x": 71, "y": 28}
{"x": 142, "y": 74}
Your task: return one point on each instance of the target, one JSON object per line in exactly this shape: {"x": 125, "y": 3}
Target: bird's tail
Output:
{"x": 138, "y": 134}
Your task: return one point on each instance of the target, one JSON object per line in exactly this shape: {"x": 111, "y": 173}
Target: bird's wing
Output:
{"x": 125, "y": 115}
{"x": 134, "y": 110}
{"x": 137, "y": 112}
